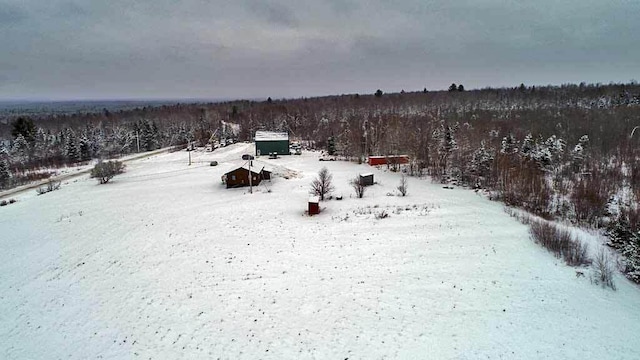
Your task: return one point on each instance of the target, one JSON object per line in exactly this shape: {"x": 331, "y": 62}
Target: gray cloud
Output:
{"x": 11, "y": 14}
{"x": 273, "y": 13}
{"x": 200, "y": 48}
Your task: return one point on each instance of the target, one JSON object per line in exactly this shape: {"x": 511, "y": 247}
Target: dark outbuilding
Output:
{"x": 314, "y": 205}
{"x": 366, "y": 179}
{"x": 240, "y": 177}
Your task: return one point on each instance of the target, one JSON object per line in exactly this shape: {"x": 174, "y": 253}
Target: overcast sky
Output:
{"x": 86, "y": 49}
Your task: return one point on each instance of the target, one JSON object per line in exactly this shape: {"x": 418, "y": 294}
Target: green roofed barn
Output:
{"x": 268, "y": 142}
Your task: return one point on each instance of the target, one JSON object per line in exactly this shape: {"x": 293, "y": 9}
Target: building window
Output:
{"x": 233, "y": 177}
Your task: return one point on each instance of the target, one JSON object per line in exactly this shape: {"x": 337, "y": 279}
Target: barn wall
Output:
{"x": 279, "y": 146}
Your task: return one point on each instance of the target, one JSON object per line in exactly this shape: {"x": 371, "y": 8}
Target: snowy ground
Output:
{"x": 166, "y": 263}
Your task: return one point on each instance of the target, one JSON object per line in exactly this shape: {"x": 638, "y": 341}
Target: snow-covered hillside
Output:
{"x": 164, "y": 262}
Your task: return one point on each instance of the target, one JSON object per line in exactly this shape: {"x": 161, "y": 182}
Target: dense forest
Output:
{"x": 568, "y": 152}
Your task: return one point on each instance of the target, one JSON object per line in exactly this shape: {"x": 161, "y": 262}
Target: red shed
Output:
{"x": 377, "y": 160}
{"x": 391, "y": 159}
{"x": 314, "y": 205}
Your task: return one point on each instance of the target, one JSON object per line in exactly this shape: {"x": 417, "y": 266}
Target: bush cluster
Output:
{"x": 560, "y": 242}
{"x": 52, "y": 185}
{"x": 105, "y": 171}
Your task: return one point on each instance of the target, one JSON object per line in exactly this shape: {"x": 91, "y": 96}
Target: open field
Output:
{"x": 164, "y": 263}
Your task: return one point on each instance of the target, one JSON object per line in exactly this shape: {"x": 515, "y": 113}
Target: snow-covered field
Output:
{"x": 166, "y": 263}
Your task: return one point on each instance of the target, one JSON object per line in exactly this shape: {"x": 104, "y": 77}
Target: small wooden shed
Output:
{"x": 366, "y": 179}
{"x": 314, "y": 205}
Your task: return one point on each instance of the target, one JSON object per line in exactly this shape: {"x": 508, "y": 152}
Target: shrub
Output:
{"x": 591, "y": 195}
{"x": 603, "y": 270}
{"x": 105, "y": 171}
{"x": 560, "y": 242}
{"x": 577, "y": 254}
{"x": 52, "y": 185}
{"x": 523, "y": 185}
{"x": 403, "y": 185}
{"x": 358, "y": 186}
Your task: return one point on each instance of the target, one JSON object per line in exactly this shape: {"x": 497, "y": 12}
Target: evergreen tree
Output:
{"x": 20, "y": 149}
{"x": 5, "y": 174}
{"x": 453, "y": 87}
{"x": 460, "y": 88}
{"x": 481, "y": 161}
{"x": 556, "y": 148}
{"x": 578, "y": 155}
{"x": 331, "y": 145}
{"x": 378, "y": 93}
{"x": 41, "y": 144}
{"x": 619, "y": 233}
{"x": 71, "y": 151}
{"x": 148, "y": 135}
{"x": 631, "y": 253}
{"x": 25, "y": 127}
{"x": 3, "y": 150}
{"x": 509, "y": 145}
{"x": 84, "y": 148}
{"x": 527, "y": 145}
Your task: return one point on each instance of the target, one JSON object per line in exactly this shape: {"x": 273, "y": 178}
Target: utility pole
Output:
{"x": 138, "y": 140}
{"x": 250, "y": 184}
{"x": 189, "y": 151}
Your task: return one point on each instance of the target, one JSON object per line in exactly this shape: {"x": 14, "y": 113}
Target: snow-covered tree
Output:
{"x": 148, "y": 135}
{"x": 527, "y": 145}
{"x": 447, "y": 142}
{"x": 84, "y": 148}
{"x": 556, "y": 148}
{"x": 4, "y": 152}
{"x": 71, "y": 151}
{"x": 631, "y": 253}
{"x": 509, "y": 145}
{"x": 5, "y": 174}
{"x": 578, "y": 154}
{"x": 481, "y": 161}
{"x": 20, "y": 149}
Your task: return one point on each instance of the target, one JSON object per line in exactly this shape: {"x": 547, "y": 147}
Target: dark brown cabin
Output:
{"x": 240, "y": 177}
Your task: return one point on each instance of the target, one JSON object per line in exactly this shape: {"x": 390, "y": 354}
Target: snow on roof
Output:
{"x": 255, "y": 169}
{"x": 233, "y": 167}
{"x": 388, "y": 156}
{"x": 314, "y": 199}
{"x": 367, "y": 174}
{"x": 271, "y": 136}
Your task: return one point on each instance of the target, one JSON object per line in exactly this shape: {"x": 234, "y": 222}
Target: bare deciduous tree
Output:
{"x": 403, "y": 185}
{"x": 603, "y": 270}
{"x": 322, "y": 185}
{"x": 358, "y": 186}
